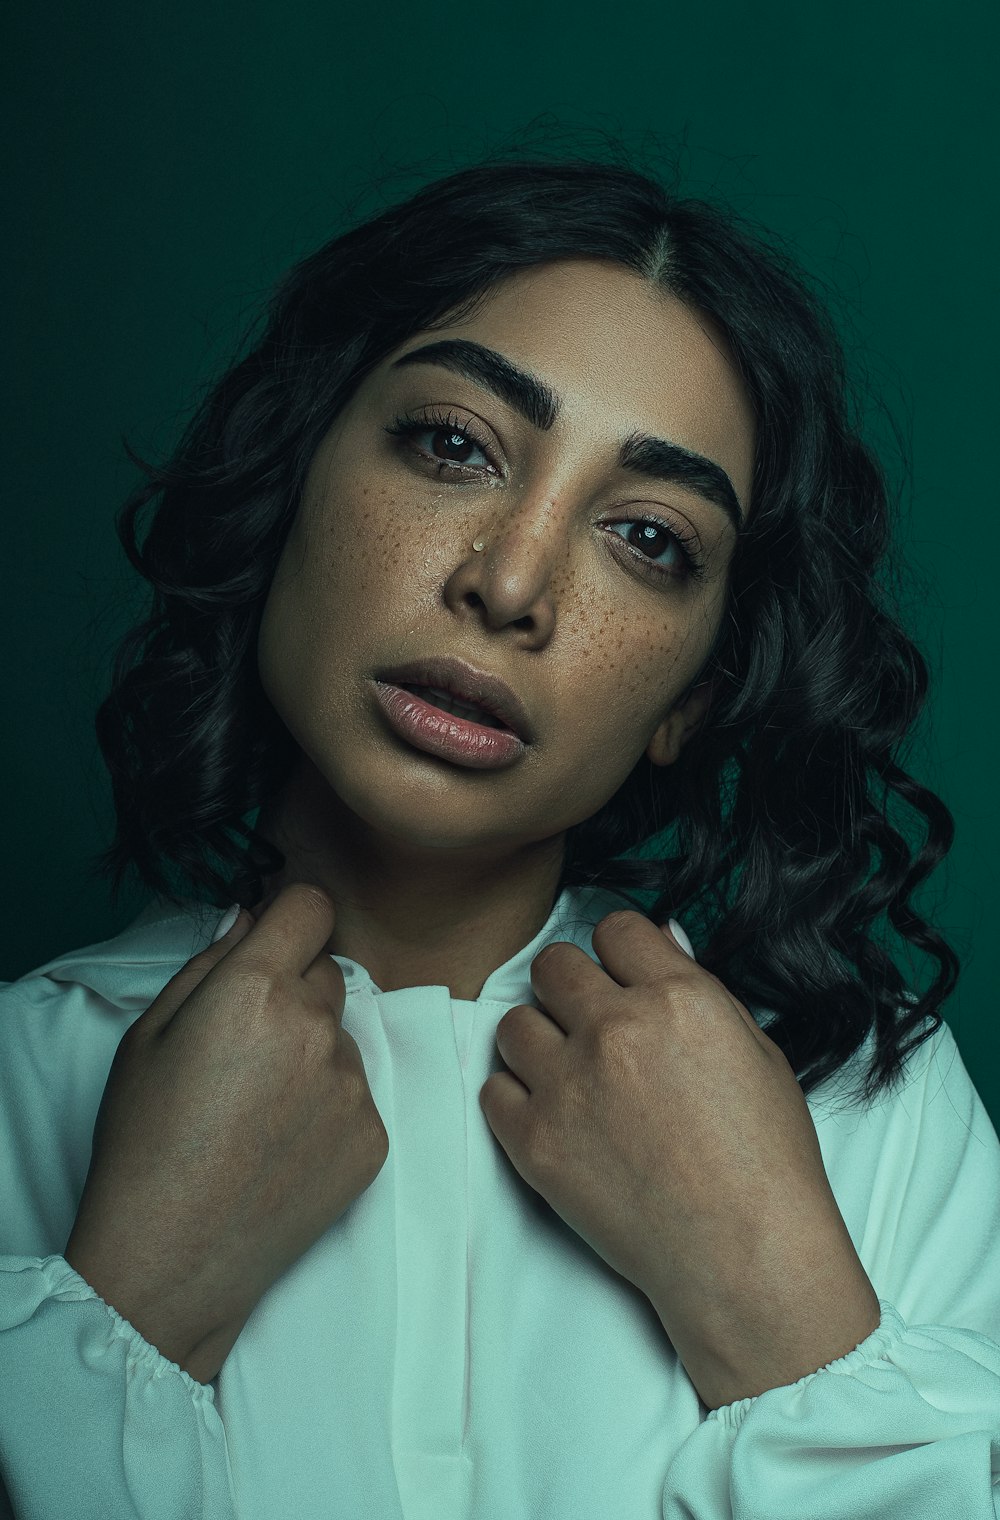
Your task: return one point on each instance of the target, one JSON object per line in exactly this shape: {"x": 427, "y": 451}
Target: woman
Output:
{"x": 534, "y": 530}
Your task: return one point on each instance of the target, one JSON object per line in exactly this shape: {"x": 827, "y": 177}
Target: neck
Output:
{"x": 410, "y": 914}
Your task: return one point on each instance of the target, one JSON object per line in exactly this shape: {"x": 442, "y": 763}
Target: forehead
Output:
{"x": 622, "y": 354}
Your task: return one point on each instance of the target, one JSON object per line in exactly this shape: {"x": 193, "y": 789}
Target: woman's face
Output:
{"x": 588, "y": 615}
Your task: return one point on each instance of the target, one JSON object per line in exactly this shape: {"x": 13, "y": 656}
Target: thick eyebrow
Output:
{"x": 655, "y": 458}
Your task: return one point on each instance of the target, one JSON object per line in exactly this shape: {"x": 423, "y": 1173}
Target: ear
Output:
{"x": 680, "y": 725}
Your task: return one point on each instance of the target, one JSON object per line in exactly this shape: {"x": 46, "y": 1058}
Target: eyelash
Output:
{"x": 407, "y": 427}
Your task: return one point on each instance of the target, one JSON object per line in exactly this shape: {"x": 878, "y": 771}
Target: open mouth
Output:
{"x": 451, "y": 704}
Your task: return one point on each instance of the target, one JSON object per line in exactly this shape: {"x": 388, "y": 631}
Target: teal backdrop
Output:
{"x": 170, "y": 162}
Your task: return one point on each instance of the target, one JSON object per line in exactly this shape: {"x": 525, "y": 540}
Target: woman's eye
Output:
{"x": 659, "y": 552}
{"x": 654, "y": 538}
{"x": 450, "y": 447}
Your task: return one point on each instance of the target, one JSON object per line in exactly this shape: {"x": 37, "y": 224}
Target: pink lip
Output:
{"x": 468, "y": 684}
{"x": 440, "y": 733}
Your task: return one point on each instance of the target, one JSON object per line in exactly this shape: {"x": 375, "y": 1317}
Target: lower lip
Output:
{"x": 442, "y": 733}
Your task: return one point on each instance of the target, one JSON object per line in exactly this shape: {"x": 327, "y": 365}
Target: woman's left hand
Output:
{"x": 663, "y": 1126}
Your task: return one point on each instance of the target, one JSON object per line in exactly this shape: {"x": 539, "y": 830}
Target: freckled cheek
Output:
{"x": 625, "y": 670}
{"x": 368, "y": 544}
{"x": 618, "y": 681}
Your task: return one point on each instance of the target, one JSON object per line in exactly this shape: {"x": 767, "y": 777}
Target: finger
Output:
{"x": 292, "y": 930}
{"x": 183, "y": 982}
{"x": 527, "y": 1041}
{"x": 566, "y": 980}
{"x": 634, "y": 950}
{"x": 326, "y": 976}
{"x": 234, "y": 926}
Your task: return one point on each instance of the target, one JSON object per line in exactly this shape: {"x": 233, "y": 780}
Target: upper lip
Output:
{"x": 467, "y": 684}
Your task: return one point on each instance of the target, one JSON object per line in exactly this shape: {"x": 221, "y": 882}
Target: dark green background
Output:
{"x": 169, "y": 162}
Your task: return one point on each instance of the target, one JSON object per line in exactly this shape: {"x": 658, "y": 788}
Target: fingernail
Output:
{"x": 681, "y": 938}
{"x": 226, "y": 923}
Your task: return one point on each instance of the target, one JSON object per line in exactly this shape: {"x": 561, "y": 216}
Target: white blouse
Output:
{"x": 451, "y": 1350}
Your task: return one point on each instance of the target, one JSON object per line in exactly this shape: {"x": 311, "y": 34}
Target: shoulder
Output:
{"x": 933, "y": 1074}
{"x": 60, "y": 1027}
{"x": 925, "y": 1138}
{"x": 70, "y": 1013}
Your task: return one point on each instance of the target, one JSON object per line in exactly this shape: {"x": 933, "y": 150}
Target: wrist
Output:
{"x": 167, "y": 1321}
{"x": 771, "y": 1340}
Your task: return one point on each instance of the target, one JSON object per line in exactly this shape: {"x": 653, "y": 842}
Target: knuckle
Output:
{"x": 541, "y": 1145}
{"x": 257, "y": 986}
{"x": 610, "y": 922}
{"x": 379, "y": 1133}
{"x": 318, "y": 899}
{"x": 614, "y": 1036}
{"x": 314, "y": 1032}
{"x": 678, "y": 990}
{"x": 618, "y": 916}
{"x": 688, "y": 1000}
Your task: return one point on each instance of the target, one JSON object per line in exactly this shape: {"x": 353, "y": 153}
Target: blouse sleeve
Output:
{"x": 94, "y": 1421}
{"x": 907, "y": 1425}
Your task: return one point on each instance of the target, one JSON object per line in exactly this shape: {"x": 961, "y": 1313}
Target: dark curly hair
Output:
{"x": 774, "y": 811}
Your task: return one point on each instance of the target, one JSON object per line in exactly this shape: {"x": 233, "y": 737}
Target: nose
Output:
{"x": 510, "y": 568}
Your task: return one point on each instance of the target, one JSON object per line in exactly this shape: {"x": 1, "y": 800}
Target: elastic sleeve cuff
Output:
{"x": 55, "y": 1278}
{"x": 887, "y": 1334}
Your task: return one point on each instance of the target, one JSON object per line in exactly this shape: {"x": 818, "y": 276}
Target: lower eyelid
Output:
{"x": 410, "y": 436}
{"x": 690, "y": 567}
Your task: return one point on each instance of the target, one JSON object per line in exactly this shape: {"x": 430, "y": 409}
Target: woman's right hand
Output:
{"x": 236, "y": 1126}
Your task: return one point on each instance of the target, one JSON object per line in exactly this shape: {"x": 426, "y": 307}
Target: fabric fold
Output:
{"x": 93, "y": 1420}
{"x": 904, "y": 1427}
